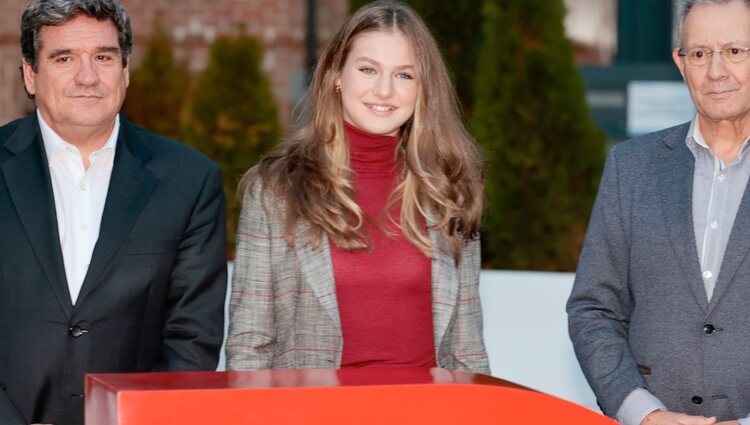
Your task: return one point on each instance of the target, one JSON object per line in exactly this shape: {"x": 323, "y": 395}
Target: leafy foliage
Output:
{"x": 233, "y": 116}
{"x": 228, "y": 112}
{"x": 543, "y": 153}
{"x": 156, "y": 94}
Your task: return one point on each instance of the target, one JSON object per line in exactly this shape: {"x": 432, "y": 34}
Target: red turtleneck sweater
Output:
{"x": 385, "y": 294}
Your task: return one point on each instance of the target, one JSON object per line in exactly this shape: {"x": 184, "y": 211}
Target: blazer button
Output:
{"x": 697, "y": 399}
{"x": 77, "y": 331}
{"x": 708, "y": 330}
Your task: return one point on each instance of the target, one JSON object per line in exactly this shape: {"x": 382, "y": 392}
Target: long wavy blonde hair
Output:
{"x": 441, "y": 181}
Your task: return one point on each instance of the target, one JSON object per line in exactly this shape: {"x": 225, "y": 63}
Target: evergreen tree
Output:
{"x": 233, "y": 117}
{"x": 543, "y": 154}
{"x": 356, "y": 4}
{"x": 156, "y": 95}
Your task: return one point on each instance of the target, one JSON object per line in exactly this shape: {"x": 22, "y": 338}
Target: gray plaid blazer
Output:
{"x": 283, "y": 310}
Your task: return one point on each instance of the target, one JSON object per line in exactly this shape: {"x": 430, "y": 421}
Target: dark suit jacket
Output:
{"x": 638, "y": 313}
{"x": 153, "y": 295}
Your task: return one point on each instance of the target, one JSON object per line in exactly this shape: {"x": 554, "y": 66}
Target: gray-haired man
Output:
{"x": 660, "y": 310}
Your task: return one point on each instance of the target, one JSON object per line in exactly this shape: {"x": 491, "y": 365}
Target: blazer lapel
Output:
{"x": 737, "y": 248}
{"x": 316, "y": 268}
{"x": 676, "y": 167}
{"x": 130, "y": 186}
{"x": 444, "y": 288}
{"x": 28, "y": 180}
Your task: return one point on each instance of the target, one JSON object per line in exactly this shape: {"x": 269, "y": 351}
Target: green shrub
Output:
{"x": 233, "y": 117}
{"x": 542, "y": 151}
{"x": 158, "y": 87}
{"x": 228, "y": 112}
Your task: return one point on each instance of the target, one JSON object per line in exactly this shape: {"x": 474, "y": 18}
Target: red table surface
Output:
{"x": 323, "y": 396}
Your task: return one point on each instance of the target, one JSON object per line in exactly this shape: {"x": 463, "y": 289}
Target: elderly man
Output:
{"x": 112, "y": 238}
{"x": 660, "y": 309}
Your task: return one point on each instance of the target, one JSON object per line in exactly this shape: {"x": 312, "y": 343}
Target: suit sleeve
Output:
{"x": 8, "y": 413}
{"x": 599, "y": 305}
{"x": 467, "y": 341}
{"x": 194, "y": 322}
{"x": 252, "y": 330}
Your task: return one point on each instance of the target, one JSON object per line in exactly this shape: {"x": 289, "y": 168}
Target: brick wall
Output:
{"x": 193, "y": 24}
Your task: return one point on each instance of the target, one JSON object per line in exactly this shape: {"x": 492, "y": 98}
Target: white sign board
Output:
{"x": 655, "y": 105}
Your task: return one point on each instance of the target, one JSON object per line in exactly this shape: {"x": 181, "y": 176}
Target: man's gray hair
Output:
{"x": 57, "y": 12}
{"x": 684, "y": 7}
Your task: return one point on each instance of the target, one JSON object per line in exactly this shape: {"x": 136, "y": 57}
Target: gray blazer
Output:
{"x": 283, "y": 310}
{"x": 638, "y": 312}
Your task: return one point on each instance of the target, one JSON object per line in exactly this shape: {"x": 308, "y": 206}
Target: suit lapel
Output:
{"x": 130, "y": 186}
{"x": 736, "y": 250}
{"x": 316, "y": 267}
{"x": 28, "y": 180}
{"x": 444, "y": 288}
{"x": 676, "y": 166}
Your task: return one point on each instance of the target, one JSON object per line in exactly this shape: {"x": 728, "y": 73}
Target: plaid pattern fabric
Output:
{"x": 283, "y": 309}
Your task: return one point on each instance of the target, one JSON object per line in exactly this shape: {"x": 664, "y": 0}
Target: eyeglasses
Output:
{"x": 698, "y": 56}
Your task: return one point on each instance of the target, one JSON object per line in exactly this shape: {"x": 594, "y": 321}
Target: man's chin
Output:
{"x": 725, "y": 114}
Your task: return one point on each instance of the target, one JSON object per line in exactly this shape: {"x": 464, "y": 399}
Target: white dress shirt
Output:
{"x": 79, "y": 199}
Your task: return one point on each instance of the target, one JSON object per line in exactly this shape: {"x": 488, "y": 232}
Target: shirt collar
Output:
{"x": 695, "y": 140}
{"x": 695, "y": 137}
{"x": 53, "y": 142}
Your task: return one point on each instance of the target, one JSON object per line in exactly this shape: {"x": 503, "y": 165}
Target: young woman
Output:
{"x": 358, "y": 239}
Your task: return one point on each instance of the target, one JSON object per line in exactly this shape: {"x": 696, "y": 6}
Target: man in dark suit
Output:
{"x": 111, "y": 237}
{"x": 660, "y": 309}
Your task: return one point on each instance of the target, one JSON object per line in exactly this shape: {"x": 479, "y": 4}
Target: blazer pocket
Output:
{"x": 644, "y": 370}
{"x": 143, "y": 247}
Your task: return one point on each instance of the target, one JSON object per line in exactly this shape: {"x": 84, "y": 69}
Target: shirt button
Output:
{"x": 696, "y": 399}
{"x": 77, "y": 331}
{"x": 709, "y": 329}
{"x": 707, "y": 274}
{"x": 721, "y": 177}
{"x": 84, "y": 227}
{"x": 82, "y": 187}
{"x": 714, "y": 225}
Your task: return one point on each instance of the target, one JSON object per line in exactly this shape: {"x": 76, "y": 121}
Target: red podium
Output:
{"x": 323, "y": 396}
